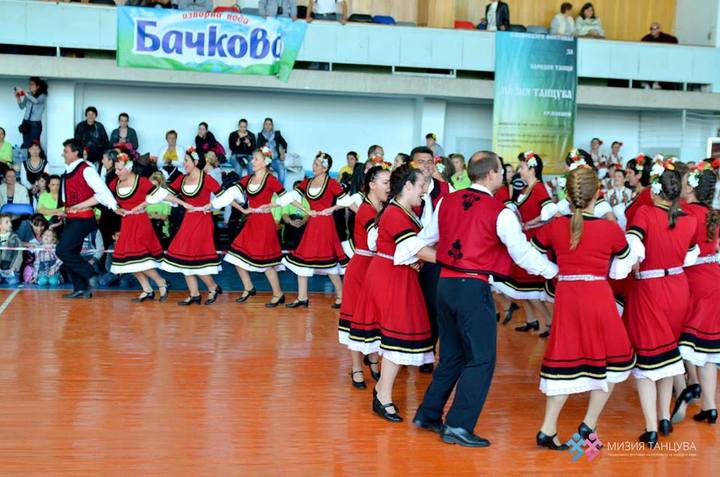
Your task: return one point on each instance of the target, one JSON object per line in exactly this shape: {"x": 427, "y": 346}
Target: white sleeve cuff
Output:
{"x": 349, "y": 200}
{"x": 548, "y": 211}
{"x": 227, "y": 197}
{"x": 637, "y": 248}
{"x": 602, "y": 209}
{"x": 157, "y": 196}
{"x": 692, "y": 256}
{"x": 287, "y": 198}
{"x": 620, "y": 267}
{"x": 372, "y": 238}
{"x": 406, "y": 251}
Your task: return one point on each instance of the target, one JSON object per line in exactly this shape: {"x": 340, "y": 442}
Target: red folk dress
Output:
{"x": 257, "y": 246}
{"x": 355, "y": 274}
{"x": 700, "y": 339}
{"x": 319, "y": 251}
{"x": 522, "y": 285}
{"x": 192, "y": 251}
{"x": 588, "y": 345}
{"x": 656, "y": 307}
{"x": 390, "y": 316}
{"x": 137, "y": 248}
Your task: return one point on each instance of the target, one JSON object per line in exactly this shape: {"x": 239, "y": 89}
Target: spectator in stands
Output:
{"x": 278, "y": 8}
{"x": 10, "y": 260}
{"x": 159, "y": 213}
{"x": 211, "y": 167}
{"x": 6, "y": 152}
{"x": 124, "y": 134}
{"x": 32, "y": 167}
{"x": 39, "y": 187}
{"x": 497, "y": 16}
{"x": 431, "y": 142}
{"x": 195, "y": 5}
{"x": 459, "y": 178}
{"x": 278, "y": 146}
{"x": 242, "y": 143}
{"x": 205, "y": 141}
{"x": 326, "y": 10}
{"x": 587, "y": 24}
{"x": 563, "y": 23}
{"x": 346, "y": 172}
{"x": 47, "y": 204}
{"x": 11, "y": 192}
{"x": 33, "y": 102}
{"x": 46, "y": 267}
{"x": 656, "y": 35}
{"x": 170, "y": 157}
{"x": 91, "y": 133}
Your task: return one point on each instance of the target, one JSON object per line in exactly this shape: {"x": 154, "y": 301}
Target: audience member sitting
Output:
{"x": 459, "y": 178}
{"x": 563, "y": 23}
{"x": 34, "y": 166}
{"x": 274, "y": 141}
{"x": 107, "y": 166}
{"x": 656, "y": 35}
{"x": 195, "y": 5}
{"x": 124, "y": 134}
{"x": 47, "y": 204}
{"x": 242, "y": 144}
{"x": 10, "y": 260}
{"x": 431, "y": 142}
{"x": 278, "y": 8}
{"x": 211, "y": 166}
{"x": 587, "y": 24}
{"x": 497, "y": 16}
{"x": 6, "y": 153}
{"x": 11, "y": 192}
{"x": 30, "y": 234}
{"x": 326, "y": 10}
{"x": 39, "y": 187}
{"x": 91, "y": 133}
{"x": 170, "y": 157}
{"x": 159, "y": 213}
{"x": 346, "y": 172}
{"x": 46, "y": 267}
{"x": 205, "y": 141}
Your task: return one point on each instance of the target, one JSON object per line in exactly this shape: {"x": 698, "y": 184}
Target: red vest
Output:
{"x": 77, "y": 190}
{"x": 469, "y": 246}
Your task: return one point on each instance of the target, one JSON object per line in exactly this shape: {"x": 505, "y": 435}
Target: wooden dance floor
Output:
{"x": 106, "y": 387}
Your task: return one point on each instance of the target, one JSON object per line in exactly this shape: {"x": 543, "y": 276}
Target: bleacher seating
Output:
{"x": 384, "y": 20}
{"x": 464, "y": 25}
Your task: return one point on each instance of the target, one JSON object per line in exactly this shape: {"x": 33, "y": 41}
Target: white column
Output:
{"x": 59, "y": 122}
{"x": 430, "y": 118}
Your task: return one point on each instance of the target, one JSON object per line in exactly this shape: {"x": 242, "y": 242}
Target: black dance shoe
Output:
{"x": 298, "y": 304}
{"x": 164, "y": 296}
{"x": 427, "y": 368}
{"x": 696, "y": 391}
{"x": 529, "y": 326}
{"x": 381, "y": 410}
{"x": 190, "y": 301}
{"x": 710, "y": 416}
{"x": 144, "y": 296}
{"x": 543, "y": 440}
{"x": 432, "y": 426}
{"x": 246, "y": 295}
{"x": 358, "y": 384}
{"x": 337, "y": 304}
{"x": 585, "y": 431}
{"x": 462, "y": 437}
{"x": 212, "y": 296}
{"x": 509, "y": 313}
{"x": 370, "y": 364}
{"x": 276, "y": 301}
{"x": 665, "y": 427}
{"x": 79, "y": 294}
{"x": 681, "y": 404}
{"x": 650, "y": 438}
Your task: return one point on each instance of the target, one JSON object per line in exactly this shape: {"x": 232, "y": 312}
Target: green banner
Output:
{"x": 212, "y": 42}
{"x": 535, "y": 96}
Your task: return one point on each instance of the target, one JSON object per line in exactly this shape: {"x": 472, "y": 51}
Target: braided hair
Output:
{"x": 671, "y": 183}
{"x": 704, "y": 193}
{"x": 582, "y": 186}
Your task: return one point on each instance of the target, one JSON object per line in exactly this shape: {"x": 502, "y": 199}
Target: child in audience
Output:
{"x": 10, "y": 260}
{"x": 47, "y": 264}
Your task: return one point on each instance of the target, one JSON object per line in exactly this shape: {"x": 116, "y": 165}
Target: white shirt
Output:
{"x": 427, "y": 211}
{"x": 492, "y": 17}
{"x": 324, "y": 7}
{"x": 91, "y": 176}
{"x": 562, "y": 25}
{"x": 716, "y": 199}
{"x": 510, "y": 233}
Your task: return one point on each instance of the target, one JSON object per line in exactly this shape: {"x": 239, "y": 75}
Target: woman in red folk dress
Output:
{"x": 257, "y": 246}
{"x": 319, "y": 251}
{"x": 138, "y": 250}
{"x": 352, "y": 333}
{"x": 192, "y": 251}
{"x": 391, "y": 303}
{"x": 664, "y": 239}
{"x": 700, "y": 339}
{"x": 588, "y": 349}
{"x": 535, "y": 208}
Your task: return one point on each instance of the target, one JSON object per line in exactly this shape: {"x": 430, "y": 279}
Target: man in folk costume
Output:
{"x": 81, "y": 190}
{"x": 477, "y": 239}
{"x": 423, "y": 159}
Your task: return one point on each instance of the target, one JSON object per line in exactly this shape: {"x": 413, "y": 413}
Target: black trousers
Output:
{"x": 467, "y": 352}
{"x": 68, "y": 250}
{"x": 429, "y": 276}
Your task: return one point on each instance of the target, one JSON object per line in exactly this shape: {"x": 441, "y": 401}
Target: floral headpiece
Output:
{"x": 716, "y": 164}
{"x": 696, "y": 171}
{"x": 124, "y": 158}
{"x": 267, "y": 154}
{"x": 378, "y": 160}
{"x": 323, "y": 159}
{"x": 530, "y": 158}
{"x": 192, "y": 152}
{"x": 660, "y": 165}
{"x": 439, "y": 165}
{"x": 640, "y": 162}
{"x": 576, "y": 160}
